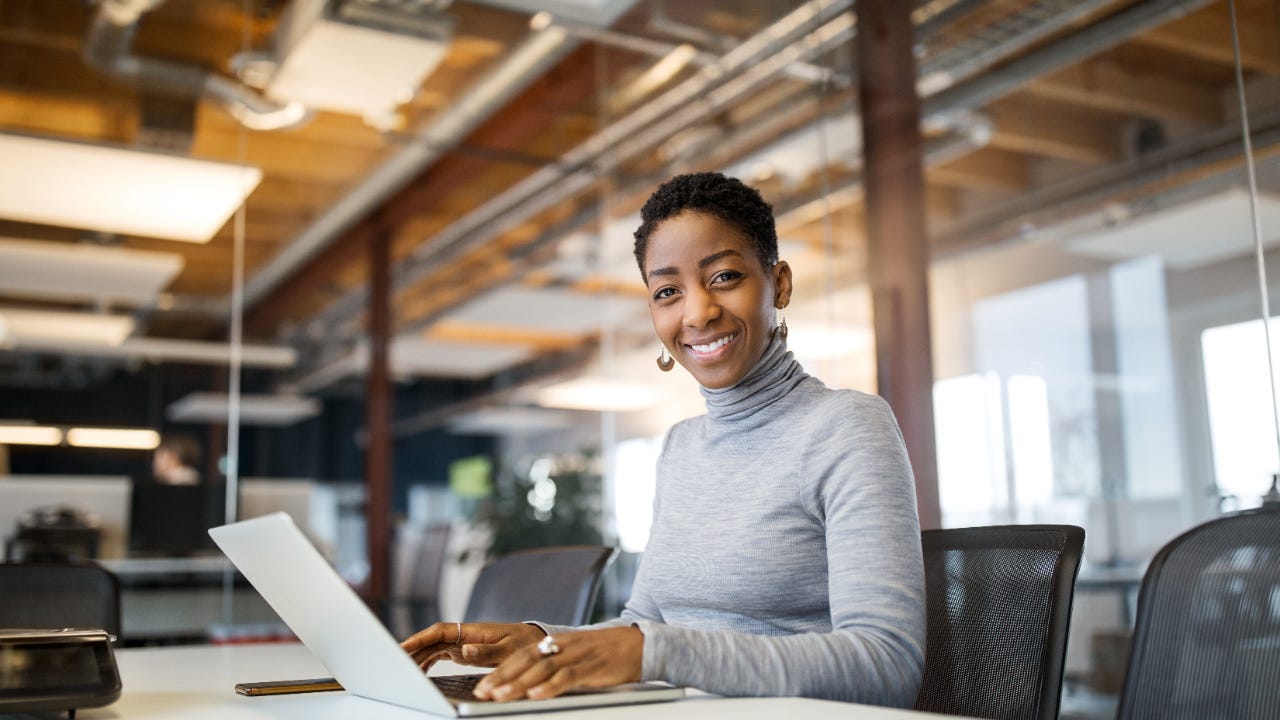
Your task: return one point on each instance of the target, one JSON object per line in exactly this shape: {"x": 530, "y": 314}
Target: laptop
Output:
{"x": 335, "y": 624}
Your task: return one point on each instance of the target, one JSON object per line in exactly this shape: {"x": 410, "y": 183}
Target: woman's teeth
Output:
{"x": 715, "y": 345}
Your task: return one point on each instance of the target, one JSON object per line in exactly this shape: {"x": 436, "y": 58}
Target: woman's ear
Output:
{"x": 781, "y": 284}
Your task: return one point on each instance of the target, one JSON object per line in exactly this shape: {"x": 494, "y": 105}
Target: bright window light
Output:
{"x": 119, "y": 190}
{"x": 1241, "y": 420}
{"x": 1029, "y": 438}
{"x": 30, "y": 435}
{"x": 972, "y": 481}
{"x": 115, "y": 438}
{"x": 635, "y": 475}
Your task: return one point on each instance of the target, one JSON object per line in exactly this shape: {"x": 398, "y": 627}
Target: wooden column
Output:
{"x": 898, "y": 253}
{"x": 377, "y": 465}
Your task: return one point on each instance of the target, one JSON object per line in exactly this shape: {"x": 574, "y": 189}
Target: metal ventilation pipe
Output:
{"x": 106, "y": 50}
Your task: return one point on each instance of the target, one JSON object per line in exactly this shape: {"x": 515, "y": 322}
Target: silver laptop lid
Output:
{"x": 325, "y": 613}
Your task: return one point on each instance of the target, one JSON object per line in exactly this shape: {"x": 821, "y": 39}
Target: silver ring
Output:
{"x": 547, "y": 646}
{"x": 459, "y": 640}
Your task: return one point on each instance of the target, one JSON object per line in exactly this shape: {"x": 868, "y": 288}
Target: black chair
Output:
{"x": 1206, "y": 641}
{"x": 555, "y": 585}
{"x": 420, "y": 555}
{"x": 59, "y": 595}
{"x": 999, "y": 605}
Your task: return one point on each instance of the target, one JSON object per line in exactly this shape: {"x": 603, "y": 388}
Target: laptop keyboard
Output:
{"x": 458, "y": 687}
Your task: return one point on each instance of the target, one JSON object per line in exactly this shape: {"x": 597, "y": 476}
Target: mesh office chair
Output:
{"x": 999, "y": 604}
{"x": 1206, "y": 642}
{"x": 59, "y": 595}
{"x": 420, "y": 555}
{"x": 555, "y": 585}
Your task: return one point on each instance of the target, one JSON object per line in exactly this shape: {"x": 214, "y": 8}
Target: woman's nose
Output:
{"x": 700, "y": 308}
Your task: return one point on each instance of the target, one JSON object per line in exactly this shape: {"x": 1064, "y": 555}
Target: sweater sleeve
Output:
{"x": 875, "y": 650}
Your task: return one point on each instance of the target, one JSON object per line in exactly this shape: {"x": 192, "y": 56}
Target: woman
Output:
{"x": 784, "y": 557}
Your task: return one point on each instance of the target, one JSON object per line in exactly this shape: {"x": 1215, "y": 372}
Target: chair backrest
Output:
{"x": 1206, "y": 641}
{"x": 419, "y": 555}
{"x": 556, "y": 585}
{"x": 58, "y": 595}
{"x": 999, "y": 605}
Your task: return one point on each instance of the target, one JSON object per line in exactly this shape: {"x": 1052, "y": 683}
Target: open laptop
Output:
{"x": 335, "y": 624}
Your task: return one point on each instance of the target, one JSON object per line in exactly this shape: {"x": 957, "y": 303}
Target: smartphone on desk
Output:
{"x": 287, "y": 687}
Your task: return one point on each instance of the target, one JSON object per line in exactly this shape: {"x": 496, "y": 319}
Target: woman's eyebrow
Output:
{"x": 703, "y": 263}
{"x": 716, "y": 256}
{"x": 662, "y": 271}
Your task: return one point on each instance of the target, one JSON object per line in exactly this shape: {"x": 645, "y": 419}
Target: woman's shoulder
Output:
{"x": 842, "y": 403}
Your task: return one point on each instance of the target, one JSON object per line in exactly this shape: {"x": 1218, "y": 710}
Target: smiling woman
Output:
{"x": 784, "y": 556}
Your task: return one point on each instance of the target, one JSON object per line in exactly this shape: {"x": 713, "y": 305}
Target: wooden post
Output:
{"x": 898, "y": 253}
{"x": 377, "y": 468}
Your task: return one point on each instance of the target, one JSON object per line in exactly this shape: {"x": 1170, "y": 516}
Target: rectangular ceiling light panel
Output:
{"x": 331, "y": 63}
{"x": 254, "y": 409}
{"x": 59, "y": 271}
{"x": 20, "y": 327}
{"x": 1188, "y": 235}
{"x": 117, "y": 190}
{"x": 415, "y": 356}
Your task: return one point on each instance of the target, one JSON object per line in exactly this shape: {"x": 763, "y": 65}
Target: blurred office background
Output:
{"x": 388, "y": 243}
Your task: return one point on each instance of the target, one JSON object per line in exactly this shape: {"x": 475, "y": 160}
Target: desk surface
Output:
{"x": 195, "y": 683}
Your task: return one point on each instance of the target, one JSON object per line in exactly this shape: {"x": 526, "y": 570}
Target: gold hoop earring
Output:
{"x": 665, "y": 361}
{"x": 782, "y": 327}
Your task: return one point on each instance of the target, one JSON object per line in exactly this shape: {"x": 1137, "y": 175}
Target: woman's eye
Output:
{"x": 664, "y": 293}
{"x": 726, "y": 276}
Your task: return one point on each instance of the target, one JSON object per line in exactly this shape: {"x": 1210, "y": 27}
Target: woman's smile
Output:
{"x": 707, "y": 350}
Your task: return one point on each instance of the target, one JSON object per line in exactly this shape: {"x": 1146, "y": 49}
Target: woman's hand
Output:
{"x": 586, "y": 659}
{"x": 484, "y": 644}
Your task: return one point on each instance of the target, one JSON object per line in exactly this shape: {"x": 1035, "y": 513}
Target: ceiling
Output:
{"x": 509, "y": 175}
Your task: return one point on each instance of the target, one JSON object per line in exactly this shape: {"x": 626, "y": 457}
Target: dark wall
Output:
{"x": 322, "y": 448}
{"x": 118, "y": 399}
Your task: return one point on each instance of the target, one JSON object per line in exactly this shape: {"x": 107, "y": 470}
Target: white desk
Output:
{"x": 195, "y": 683}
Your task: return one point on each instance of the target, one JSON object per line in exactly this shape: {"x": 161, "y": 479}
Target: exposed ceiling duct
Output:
{"x": 107, "y": 50}
{"x": 523, "y": 65}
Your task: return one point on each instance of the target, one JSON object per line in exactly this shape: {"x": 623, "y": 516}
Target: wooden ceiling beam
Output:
{"x": 989, "y": 169}
{"x": 1206, "y": 35}
{"x": 69, "y": 116}
{"x": 1104, "y": 85}
{"x": 539, "y": 340}
{"x": 1040, "y": 127}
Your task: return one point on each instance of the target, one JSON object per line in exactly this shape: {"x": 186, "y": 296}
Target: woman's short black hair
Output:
{"x": 726, "y": 198}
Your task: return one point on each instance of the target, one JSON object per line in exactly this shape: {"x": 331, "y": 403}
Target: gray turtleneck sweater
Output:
{"x": 784, "y": 556}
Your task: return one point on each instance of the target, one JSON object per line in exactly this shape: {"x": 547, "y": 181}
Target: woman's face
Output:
{"x": 711, "y": 299}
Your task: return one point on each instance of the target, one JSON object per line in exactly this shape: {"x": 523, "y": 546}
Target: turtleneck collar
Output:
{"x": 776, "y": 373}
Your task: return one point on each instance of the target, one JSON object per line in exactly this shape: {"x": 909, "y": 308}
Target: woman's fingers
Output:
{"x": 587, "y": 659}
{"x": 422, "y": 638}
{"x": 560, "y": 682}
{"x": 516, "y": 682}
{"x": 484, "y": 644}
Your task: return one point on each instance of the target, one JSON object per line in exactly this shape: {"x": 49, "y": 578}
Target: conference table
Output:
{"x": 197, "y": 683}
